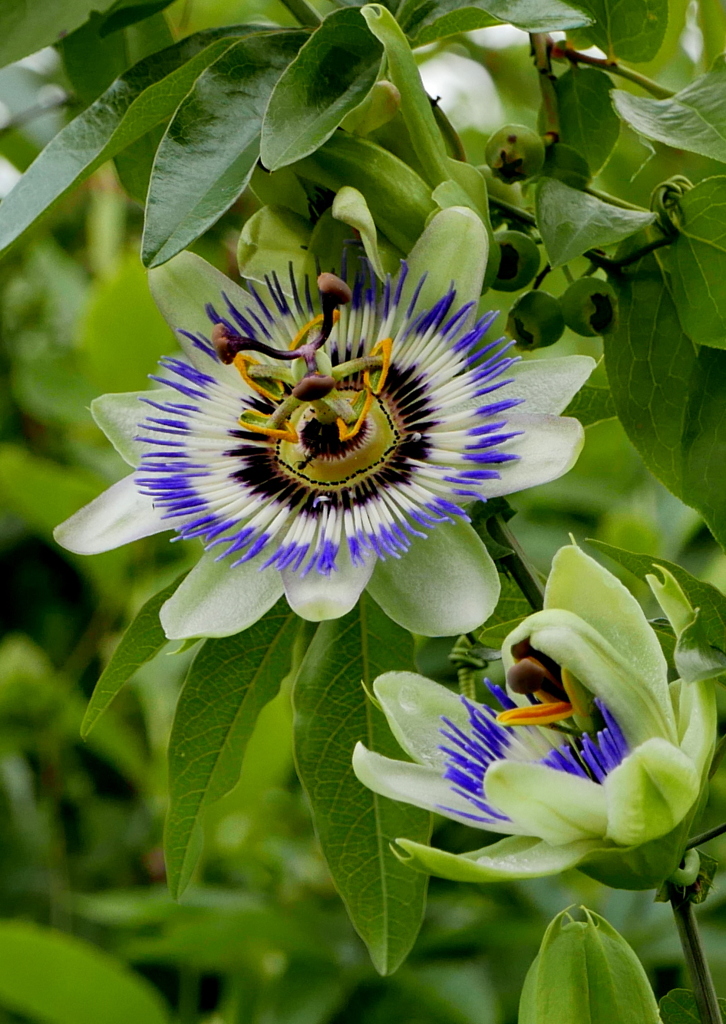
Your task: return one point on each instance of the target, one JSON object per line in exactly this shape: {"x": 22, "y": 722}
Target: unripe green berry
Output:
{"x": 590, "y": 307}
{"x": 535, "y": 320}
{"x": 515, "y": 153}
{"x": 518, "y": 262}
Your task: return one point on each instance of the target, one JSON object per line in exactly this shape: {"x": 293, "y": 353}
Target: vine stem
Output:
{"x": 304, "y": 13}
{"x": 704, "y": 837}
{"x": 541, "y": 48}
{"x": 693, "y": 951}
{"x": 517, "y": 564}
{"x": 560, "y": 52}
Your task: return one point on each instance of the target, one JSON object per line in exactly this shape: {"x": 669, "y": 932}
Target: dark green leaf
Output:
{"x": 141, "y": 642}
{"x": 679, "y": 1007}
{"x": 711, "y": 601}
{"x": 385, "y": 900}
{"x": 695, "y": 657}
{"x": 92, "y": 63}
{"x": 51, "y": 977}
{"x": 571, "y": 221}
{"x": 632, "y": 31}
{"x": 229, "y": 683}
{"x": 588, "y": 122}
{"x": 419, "y": 16}
{"x": 669, "y": 397}
{"x": 331, "y": 75}
{"x": 592, "y": 404}
{"x": 147, "y": 94}
{"x": 696, "y": 262}
{"x": 694, "y": 119}
{"x": 211, "y": 146}
{"x": 27, "y": 25}
{"x": 463, "y": 19}
{"x": 511, "y": 609}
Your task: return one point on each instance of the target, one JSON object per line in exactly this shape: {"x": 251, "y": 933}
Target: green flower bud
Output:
{"x": 590, "y": 307}
{"x": 518, "y": 262}
{"x": 515, "y": 153}
{"x": 586, "y": 971}
{"x": 535, "y": 320}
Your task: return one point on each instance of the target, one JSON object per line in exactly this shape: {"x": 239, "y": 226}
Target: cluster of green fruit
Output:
{"x": 537, "y": 319}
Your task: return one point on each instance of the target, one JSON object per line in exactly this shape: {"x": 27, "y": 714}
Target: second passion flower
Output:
{"x": 591, "y": 759}
{"x": 321, "y": 443}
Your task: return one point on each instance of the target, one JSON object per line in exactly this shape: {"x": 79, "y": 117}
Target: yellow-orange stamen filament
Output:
{"x": 536, "y": 714}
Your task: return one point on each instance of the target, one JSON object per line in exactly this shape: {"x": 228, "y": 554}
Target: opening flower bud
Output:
{"x": 515, "y": 152}
{"x": 586, "y": 971}
{"x": 589, "y": 307}
{"x": 535, "y": 320}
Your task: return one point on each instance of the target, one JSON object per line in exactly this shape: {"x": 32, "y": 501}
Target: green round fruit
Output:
{"x": 518, "y": 262}
{"x": 535, "y": 320}
{"x": 590, "y": 307}
{"x": 515, "y": 153}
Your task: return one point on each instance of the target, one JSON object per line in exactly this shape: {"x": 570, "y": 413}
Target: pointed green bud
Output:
{"x": 586, "y": 971}
{"x": 378, "y": 108}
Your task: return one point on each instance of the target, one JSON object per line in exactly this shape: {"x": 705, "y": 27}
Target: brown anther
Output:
{"x": 527, "y": 676}
{"x": 314, "y": 386}
{"x": 226, "y": 344}
{"x": 521, "y": 650}
{"x": 334, "y": 289}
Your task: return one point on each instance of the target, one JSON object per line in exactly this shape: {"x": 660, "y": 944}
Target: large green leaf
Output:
{"x": 385, "y": 900}
{"x": 141, "y": 642}
{"x": 633, "y": 31}
{"x": 588, "y": 122}
{"x": 137, "y": 101}
{"x": 711, "y": 601}
{"x": 592, "y": 404}
{"x": 54, "y": 978}
{"x": 418, "y": 17}
{"x": 211, "y": 145}
{"x": 679, "y": 1007}
{"x": 229, "y": 682}
{"x": 28, "y": 25}
{"x": 571, "y": 221}
{"x": 669, "y": 397}
{"x": 694, "y": 119}
{"x": 331, "y": 75}
{"x": 696, "y": 262}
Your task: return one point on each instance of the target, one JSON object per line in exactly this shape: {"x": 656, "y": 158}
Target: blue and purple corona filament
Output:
{"x": 469, "y": 755}
{"x": 355, "y": 422}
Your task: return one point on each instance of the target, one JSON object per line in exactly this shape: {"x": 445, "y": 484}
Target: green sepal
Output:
{"x": 378, "y": 108}
{"x": 271, "y": 240}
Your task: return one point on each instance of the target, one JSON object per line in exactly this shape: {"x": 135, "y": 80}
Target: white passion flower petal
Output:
{"x": 413, "y": 705}
{"x": 315, "y": 597}
{"x": 546, "y": 449}
{"x": 119, "y": 415}
{"x": 215, "y": 600}
{"x": 117, "y": 516}
{"x": 556, "y": 806}
{"x": 581, "y": 585}
{"x": 549, "y": 385}
{"x": 417, "y": 785}
{"x": 510, "y": 858}
{"x": 444, "y": 585}
{"x": 649, "y": 793}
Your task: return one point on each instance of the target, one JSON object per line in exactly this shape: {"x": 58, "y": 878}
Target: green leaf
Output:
{"x": 679, "y": 1007}
{"x": 55, "y": 978}
{"x": 694, "y": 119}
{"x": 141, "y": 642}
{"x": 419, "y": 17}
{"x": 27, "y": 25}
{"x": 123, "y": 335}
{"x": 137, "y": 101}
{"x": 124, "y": 13}
{"x": 588, "y": 122}
{"x": 696, "y": 262}
{"x": 632, "y": 31}
{"x": 669, "y": 397}
{"x": 385, "y": 900}
{"x": 571, "y": 221}
{"x": 707, "y": 598}
{"x": 511, "y": 609}
{"x": 592, "y": 404}
{"x": 210, "y": 148}
{"x": 463, "y": 19}
{"x": 695, "y": 657}
{"x": 331, "y": 75}
{"x": 229, "y": 682}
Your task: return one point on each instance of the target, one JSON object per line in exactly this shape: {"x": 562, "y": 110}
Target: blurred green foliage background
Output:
{"x": 261, "y": 936}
